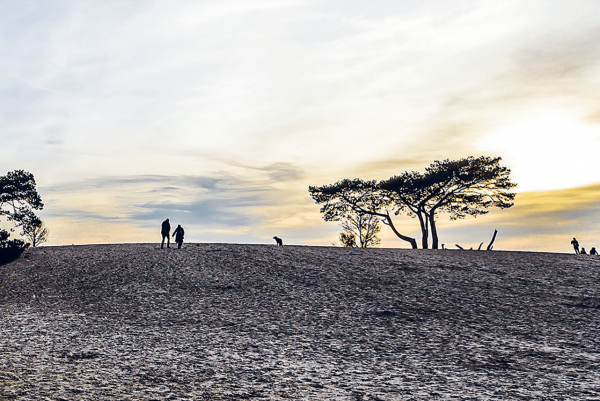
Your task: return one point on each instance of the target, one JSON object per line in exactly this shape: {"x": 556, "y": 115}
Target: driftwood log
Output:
{"x": 490, "y": 246}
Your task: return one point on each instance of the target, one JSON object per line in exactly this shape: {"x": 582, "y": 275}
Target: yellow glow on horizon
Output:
{"x": 551, "y": 151}
{"x": 66, "y": 231}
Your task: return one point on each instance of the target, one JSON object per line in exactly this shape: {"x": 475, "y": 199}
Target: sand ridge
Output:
{"x": 232, "y": 321}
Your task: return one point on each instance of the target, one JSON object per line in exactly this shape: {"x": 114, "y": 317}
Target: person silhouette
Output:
{"x": 583, "y": 251}
{"x": 593, "y": 251}
{"x": 165, "y": 230}
{"x": 575, "y": 244}
{"x": 178, "y": 234}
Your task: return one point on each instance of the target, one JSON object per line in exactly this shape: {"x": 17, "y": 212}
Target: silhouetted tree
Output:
{"x": 408, "y": 193}
{"x": 35, "y": 231}
{"x": 19, "y": 197}
{"x": 346, "y": 197}
{"x": 465, "y": 187}
{"x": 365, "y": 227}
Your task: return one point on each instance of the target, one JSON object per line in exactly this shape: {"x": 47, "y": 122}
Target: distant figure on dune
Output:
{"x": 178, "y": 234}
{"x": 583, "y": 252}
{"x": 593, "y": 251}
{"x": 575, "y": 245}
{"x": 165, "y": 230}
{"x": 278, "y": 240}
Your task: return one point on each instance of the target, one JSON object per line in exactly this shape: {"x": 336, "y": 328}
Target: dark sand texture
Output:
{"x": 231, "y": 322}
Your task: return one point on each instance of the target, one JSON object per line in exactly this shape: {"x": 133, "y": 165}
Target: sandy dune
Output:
{"x": 228, "y": 322}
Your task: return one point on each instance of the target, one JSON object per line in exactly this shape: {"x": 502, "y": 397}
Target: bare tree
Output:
{"x": 365, "y": 227}
{"x": 36, "y": 232}
{"x": 346, "y": 197}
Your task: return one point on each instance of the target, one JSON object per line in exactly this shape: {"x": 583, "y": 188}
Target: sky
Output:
{"x": 219, "y": 114}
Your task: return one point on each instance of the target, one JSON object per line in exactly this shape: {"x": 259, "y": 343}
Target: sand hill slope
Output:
{"x": 225, "y": 321}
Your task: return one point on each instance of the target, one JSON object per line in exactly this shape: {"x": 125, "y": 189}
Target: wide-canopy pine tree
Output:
{"x": 460, "y": 188}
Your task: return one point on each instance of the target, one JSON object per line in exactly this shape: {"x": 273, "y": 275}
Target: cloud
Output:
{"x": 211, "y": 213}
{"x": 559, "y": 70}
{"x": 129, "y": 110}
{"x": 548, "y": 76}
{"x": 249, "y": 79}
{"x": 205, "y": 205}
{"x": 283, "y": 171}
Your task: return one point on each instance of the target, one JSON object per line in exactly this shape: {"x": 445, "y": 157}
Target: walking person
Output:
{"x": 178, "y": 234}
{"x": 575, "y": 244}
{"x": 165, "y": 230}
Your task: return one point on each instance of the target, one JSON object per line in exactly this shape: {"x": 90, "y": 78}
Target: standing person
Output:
{"x": 178, "y": 234}
{"x": 165, "y": 230}
{"x": 575, "y": 244}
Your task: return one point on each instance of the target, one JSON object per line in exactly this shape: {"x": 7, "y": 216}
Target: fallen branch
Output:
{"x": 490, "y": 246}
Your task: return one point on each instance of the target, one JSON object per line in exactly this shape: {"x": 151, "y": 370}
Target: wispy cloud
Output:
{"x": 228, "y": 110}
{"x": 203, "y": 204}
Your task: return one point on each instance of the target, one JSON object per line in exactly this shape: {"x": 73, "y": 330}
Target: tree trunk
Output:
{"x": 412, "y": 241}
{"x": 424, "y": 230}
{"x": 434, "y": 234}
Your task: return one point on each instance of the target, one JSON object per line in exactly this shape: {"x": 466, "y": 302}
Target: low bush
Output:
{"x": 10, "y": 249}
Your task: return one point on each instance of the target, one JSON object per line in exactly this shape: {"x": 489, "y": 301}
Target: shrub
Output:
{"x": 10, "y": 249}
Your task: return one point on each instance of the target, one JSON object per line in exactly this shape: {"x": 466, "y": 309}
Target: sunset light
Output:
{"x": 220, "y": 114}
{"x": 551, "y": 151}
